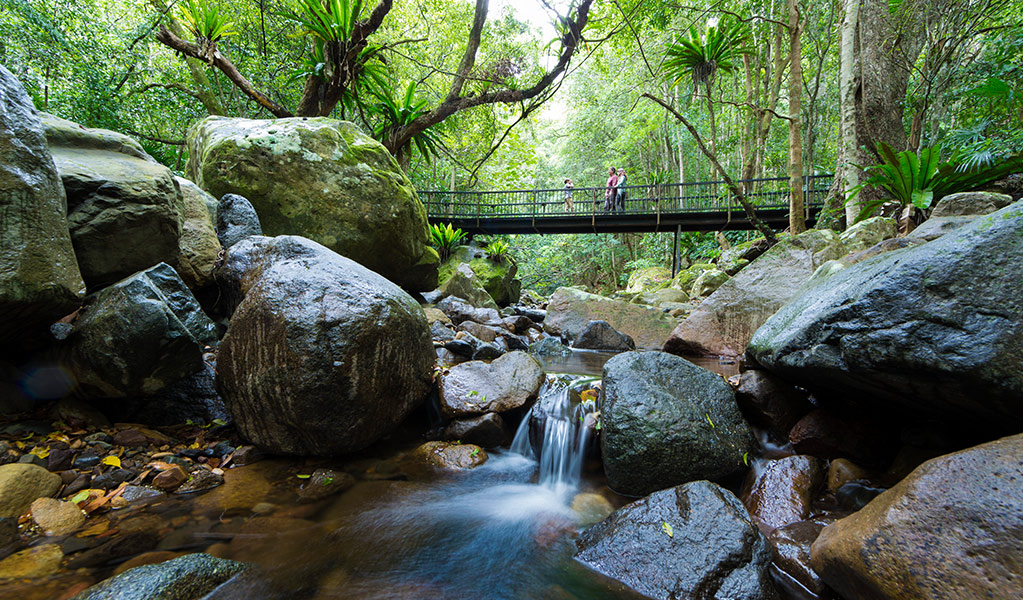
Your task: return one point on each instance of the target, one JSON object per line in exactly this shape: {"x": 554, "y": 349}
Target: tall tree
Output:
{"x": 797, "y": 216}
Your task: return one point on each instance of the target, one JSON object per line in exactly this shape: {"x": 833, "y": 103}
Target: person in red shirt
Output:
{"x": 610, "y": 191}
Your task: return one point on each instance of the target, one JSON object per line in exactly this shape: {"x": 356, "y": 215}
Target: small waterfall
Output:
{"x": 565, "y": 434}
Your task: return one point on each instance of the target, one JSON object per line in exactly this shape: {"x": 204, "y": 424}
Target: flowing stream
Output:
{"x": 503, "y": 530}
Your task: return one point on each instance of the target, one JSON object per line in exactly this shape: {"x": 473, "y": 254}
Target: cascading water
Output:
{"x": 564, "y": 429}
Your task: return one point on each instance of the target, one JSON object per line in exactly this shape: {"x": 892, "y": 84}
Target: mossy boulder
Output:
{"x": 463, "y": 283}
{"x": 322, "y": 179}
{"x": 39, "y": 277}
{"x": 707, "y": 282}
{"x": 496, "y": 277}
{"x": 649, "y": 279}
{"x": 685, "y": 279}
{"x": 124, "y": 208}
{"x": 198, "y": 246}
{"x": 570, "y": 310}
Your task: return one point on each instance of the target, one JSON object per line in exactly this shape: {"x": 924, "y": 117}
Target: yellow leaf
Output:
{"x": 40, "y": 451}
{"x": 113, "y": 461}
{"x": 668, "y": 529}
{"x": 59, "y": 437}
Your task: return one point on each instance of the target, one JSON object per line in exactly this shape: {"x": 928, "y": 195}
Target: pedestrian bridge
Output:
{"x": 702, "y": 206}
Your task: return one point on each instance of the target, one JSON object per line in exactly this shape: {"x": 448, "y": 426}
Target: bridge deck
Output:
{"x": 702, "y": 206}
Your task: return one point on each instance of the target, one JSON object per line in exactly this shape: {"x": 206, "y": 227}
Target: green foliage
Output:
{"x": 445, "y": 238}
{"x": 497, "y": 250}
{"x": 204, "y": 20}
{"x": 327, "y": 20}
{"x": 394, "y": 113}
{"x": 702, "y": 55}
{"x": 916, "y": 180}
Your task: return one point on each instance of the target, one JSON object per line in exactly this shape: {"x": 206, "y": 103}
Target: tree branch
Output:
{"x": 732, "y": 186}
{"x": 221, "y": 62}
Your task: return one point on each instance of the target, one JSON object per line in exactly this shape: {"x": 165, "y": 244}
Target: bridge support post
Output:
{"x": 674, "y": 252}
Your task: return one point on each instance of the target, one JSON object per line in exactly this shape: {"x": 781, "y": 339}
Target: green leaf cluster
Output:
{"x": 445, "y": 238}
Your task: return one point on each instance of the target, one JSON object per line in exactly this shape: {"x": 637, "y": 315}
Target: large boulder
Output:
{"x": 476, "y": 387}
{"x": 599, "y": 335}
{"x": 970, "y": 204}
{"x": 463, "y": 283}
{"x": 692, "y": 541}
{"x": 199, "y": 246}
{"x": 39, "y": 277}
{"x": 952, "y": 529}
{"x": 570, "y": 310}
{"x": 124, "y": 208}
{"x": 935, "y": 328}
{"x": 322, "y": 179}
{"x": 649, "y": 279}
{"x": 322, "y": 356}
{"x": 184, "y": 578}
{"x": 496, "y": 276}
{"x": 724, "y": 323}
{"x": 667, "y": 421}
{"x": 138, "y": 335}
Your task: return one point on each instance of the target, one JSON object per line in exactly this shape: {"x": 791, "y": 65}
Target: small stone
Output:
{"x": 451, "y": 456}
{"x": 35, "y": 562}
{"x": 59, "y": 460}
{"x": 201, "y": 479}
{"x": 21, "y": 484}
{"x": 130, "y": 438}
{"x": 99, "y": 436}
{"x": 32, "y": 459}
{"x": 324, "y": 483}
{"x": 170, "y": 479}
{"x": 56, "y": 517}
{"x": 246, "y": 455}
{"x": 81, "y": 482}
{"x": 86, "y": 461}
{"x": 136, "y": 493}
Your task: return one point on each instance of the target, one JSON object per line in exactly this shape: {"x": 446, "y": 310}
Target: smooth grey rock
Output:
{"x": 486, "y": 430}
{"x": 970, "y": 203}
{"x": 322, "y": 356}
{"x": 667, "y": 421}
{"x": 692, "y": 541}
{"x": 236, "y": 220}
{"x": 39, "y": 277}
{"x": 476, "y": 387}
{"x": 599, "y": 335}
{"x": 188, "y": 577}
{"x": 138, "y": 336}
{"x": 935, "y": 328}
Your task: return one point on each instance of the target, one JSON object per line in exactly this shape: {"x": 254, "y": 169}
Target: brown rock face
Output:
{"x": 792, "y": 553}
{"x": 781, "y": 492}
{"x": 825, "y": 434}
{"x": 770, "y": 401}
{"x": 953, "y": 529}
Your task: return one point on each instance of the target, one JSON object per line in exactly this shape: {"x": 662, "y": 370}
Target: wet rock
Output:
{"x": 708, "y": 282}
{"x": 482, "y": 332}
{"x": 39, "y": 277}
{"x": 826, "y": 434}
{"x": 516, "y": 342}
{"x": 486, "y": 430}
{"x": 236, "y": 220}
{"x": 692, "y": 541}
{"x": 139, "y": 335}
{"x": 170, "y": 479}
{"x": 535, "y": 315}
{"x": 893, "y": 329}
{"x": 780, "y": 492}
{"x": 243, "y": 488}
{"x": 246, "y": 455}
{"x": 322, "y": 179}
{"x": 550, "y": 346}
{"x": 32, "y": 459}
{"x": 770, "y": 402}
{"x": 441, "y": 333}
{"x": 124, "y": 208}
{"x": 569, "y": 310}
{"x": 130, "y": 438}
{"x": 517, "y": 324}
{"x": 149, "y": 558}
{"x": 854, "y": 495}
{"x": 724, "y": 323}
{"x": 55, "y": 517}
{"x": 299, "y": 367}
{"x": 200, "y": 479}
{"x": 461, "y": 347}
{"x": 21, "y": 484}
{"x": 841, "y": 471}
{"x": 137, "y": 493}
{"x": 31, "y": 563}
{"x": 111, "y": 479}
{"x": 192, "y": 398}
{"x": 487, "y": 351}
{"x": 792, "y": 553}
{"x": 185, "y": 578}
{"x": 436, "y": 315}
{"x": 667, "y": 421}
{"x": 325, "y": 483}
{"x": 599, "y": 335}
{"x": 949, "y": 530}
{"x": 443, "y": 455}
{"x": 476, "y": 387}
{"x": 79, "y": 483}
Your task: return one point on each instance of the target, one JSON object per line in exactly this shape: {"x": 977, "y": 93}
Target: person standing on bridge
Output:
{"x": 620, "y": 193}
{"x": 610, "y": 190}
{"x": 569, "y": 205}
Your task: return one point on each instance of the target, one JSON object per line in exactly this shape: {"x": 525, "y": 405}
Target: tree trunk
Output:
{"x": 797, "y": 216}
{"x": 848, "y": 88}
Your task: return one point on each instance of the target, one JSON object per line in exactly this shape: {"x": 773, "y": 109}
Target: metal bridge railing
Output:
{"x": 674, "y": 198}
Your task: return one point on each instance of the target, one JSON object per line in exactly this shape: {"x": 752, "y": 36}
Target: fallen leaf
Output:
{"x": 40, "y": 451}
{"x": 300, "y": 476}
{"x": 113, "y": 461}
{"x": 81, "y": 496}
{"x": 667, "y": 529}
{"x": 99, "y": 502}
